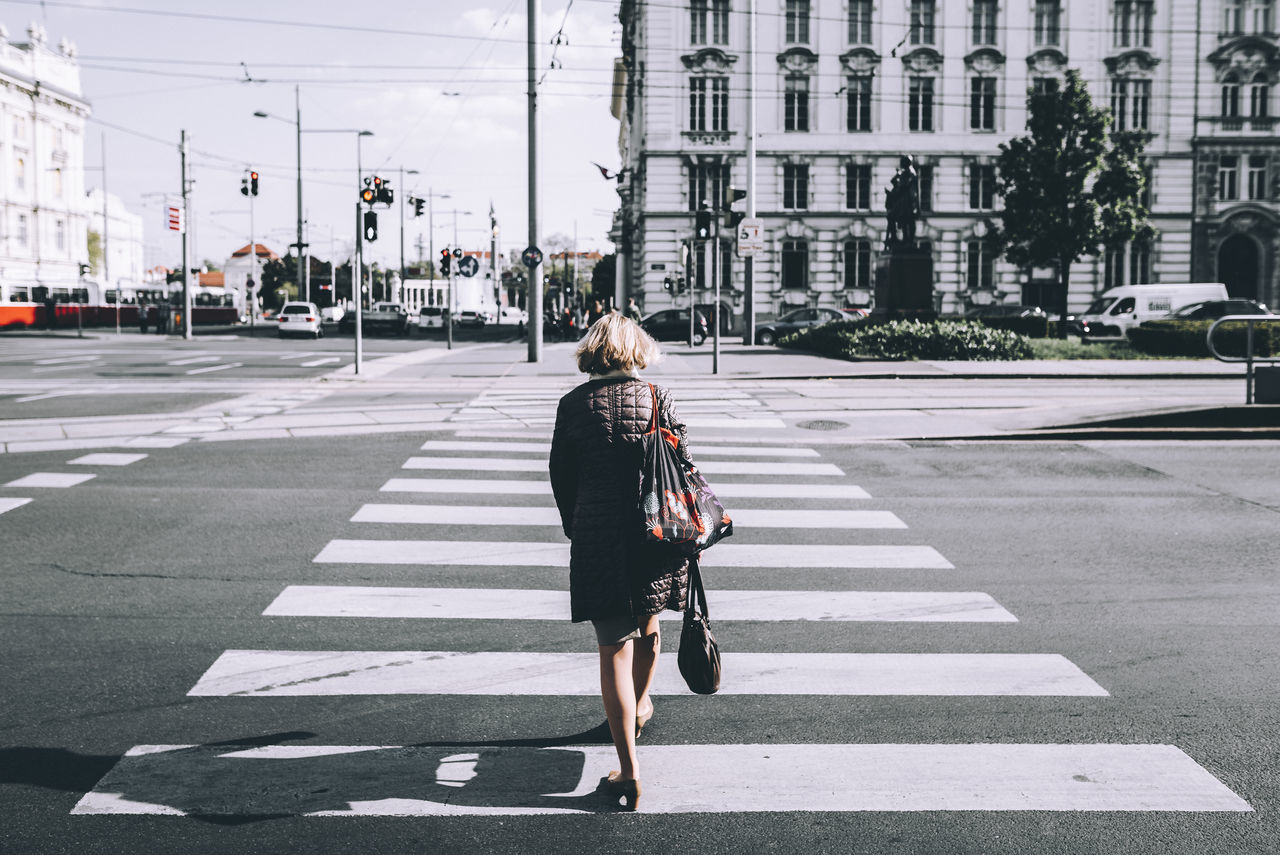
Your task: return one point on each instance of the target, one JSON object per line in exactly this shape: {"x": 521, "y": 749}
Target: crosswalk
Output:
{"x": 497, "y": 487}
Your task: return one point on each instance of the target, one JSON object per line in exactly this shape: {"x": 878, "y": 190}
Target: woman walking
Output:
{"x": 615, "y": 580}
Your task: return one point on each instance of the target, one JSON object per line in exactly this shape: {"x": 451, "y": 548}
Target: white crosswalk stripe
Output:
{"x": 725, "y": 490}
{"x": 9, "y": 504}
{"x": 745, "y": 518}
{"x": 51, "y": 479}
{"x": 709, "y": 467}
{"x": 107, "y": 459}
{"x": 704, "y": 449}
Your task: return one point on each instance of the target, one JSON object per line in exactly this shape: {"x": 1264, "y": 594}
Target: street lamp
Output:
{"x": 297, "y": 124}
{"x": 403, "y": 194}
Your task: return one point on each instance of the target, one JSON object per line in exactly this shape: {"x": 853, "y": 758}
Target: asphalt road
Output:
{"x": 1150, "y": 567}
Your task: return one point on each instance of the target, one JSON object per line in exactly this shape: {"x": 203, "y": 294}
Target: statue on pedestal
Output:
{"x": 902, "y": 204}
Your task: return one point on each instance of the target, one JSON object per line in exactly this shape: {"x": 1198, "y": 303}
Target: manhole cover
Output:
{"x": 822, "y": 424}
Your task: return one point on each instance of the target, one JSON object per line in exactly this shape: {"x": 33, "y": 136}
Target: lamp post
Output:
{"x": 403, "y": 193}
{"x": 297, "y": 124}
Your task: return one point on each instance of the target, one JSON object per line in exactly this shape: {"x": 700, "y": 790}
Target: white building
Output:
{"x": 121, "y": 240}
{"x": 43, "y": 226}
{"x": 843, "y": 87}
{"x": 240, "y": 267}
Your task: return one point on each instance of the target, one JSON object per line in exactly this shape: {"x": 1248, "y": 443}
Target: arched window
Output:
{"x": 1259, "y": 94}
{"x": 1230, "y": 95}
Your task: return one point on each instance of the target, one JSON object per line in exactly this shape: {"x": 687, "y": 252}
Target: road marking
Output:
{"x": 301, "y": 355}
{"x": 528, "y": 554}
{"x": 44, "y": 397}
{"x": 196, "y": 360}
{"x": 157, "y": 441}
{"x": 710, "y": 467}
{"x": 380, "y": 780}
{"x": 743, "y": 518}
{"x": 545, "y": 448}
{"x": 51, "y": 479}
{"x": 281, "y": 673}
{"x": 730, "y": 605}
{"x": 215, "y": 368}
{"x": 323, "y": 361}
{"x": 451, "y": 486}
{"x": 64, "y": 359}
{"x": 7, "y": 505}
{"x": 107, "y": 459}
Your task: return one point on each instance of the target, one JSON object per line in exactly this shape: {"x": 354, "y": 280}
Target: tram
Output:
{"x": 90, "y": 304}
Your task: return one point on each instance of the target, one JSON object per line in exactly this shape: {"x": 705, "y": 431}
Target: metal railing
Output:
{"x": 1248, "y": 359}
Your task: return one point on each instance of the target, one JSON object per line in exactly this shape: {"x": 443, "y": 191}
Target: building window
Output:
{"x": 1230, "y": 96}
{"x": 1260, "y": 16}
{"x": 981, "y": 273}
{"x": 982, "y": 103}
{"x": 1048, "y": 16}
{"x": 1126, "y": 265}
{"x": 1229, "y": 177}
{"x": 1258, "y": 177}
{"x": 1044, "y": 86}
{"x": 698, "y": 22}
{"x": 920, "y": 104}
{"x": 923, "y": 13}
{"x": 702, "y": 107}
{"x": 707, "y": 182}
{"x": 795, "y": 264}
{"x": 984, "y": 22}
{"x": 857, "y": 264}
{"x": 797, "y": 21}
{"x": 21, "y": 232}
{"x": 1259, "y": 94}
{"x": 858, "y": 96}
{"x": 857, "y": 187}
{"x": 1130, "y": 104}
{"x": 57, "y": 183}
{"x": 859, "y": 22}
{"x": 795, "y": 186}
{"x": 20, "y": 173}
{"x": 982, "y": 187}
{"x": 60, "y": 234}
{"x": 1139, "y": 263}
{"x": 1232, "y": 17}
{"x": 1131, "y": 23}
{"x": 796, "y": 104}
{"x": 926, "y": 187}
{"x": 719, "y": 22}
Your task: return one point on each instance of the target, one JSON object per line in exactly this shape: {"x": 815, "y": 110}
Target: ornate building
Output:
{"x": 843, "y": 87}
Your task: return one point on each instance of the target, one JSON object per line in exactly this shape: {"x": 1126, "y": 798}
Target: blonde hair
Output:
{"x": 616, "y": 343}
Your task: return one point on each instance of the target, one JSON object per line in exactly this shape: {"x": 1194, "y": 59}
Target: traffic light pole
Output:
{"x": 357, "y": 283}
{"x": 748, "y": 273}
{"x": 186, "y": 227}
{"x": 715, "y": 304}
{"x": 534, "y": 296}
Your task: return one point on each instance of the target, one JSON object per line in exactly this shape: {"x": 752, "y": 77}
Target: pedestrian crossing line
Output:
{"x": 382, "y": 780}
{"x": 7, "y": 505}
{"x": 195, "y": 360}
{"x": 710, "y": 467}
{"x": 314, "y": 673}
{"x": 51, "y": 479}
{"x": 695, "y": 421}
{"x": 703, "y": 449}
{"x": 549, "y": 516}
{"x": 531, "y": 554}
{"x": 353, "y": 601}
{"x": 325, "y": 360}
{"x": 107, "y": 459}
{"x": 727, "y": 490}
{"x": 215, "y": 368}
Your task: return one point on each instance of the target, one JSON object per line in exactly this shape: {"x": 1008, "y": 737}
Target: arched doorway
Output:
{"x": 1238, "y": 266}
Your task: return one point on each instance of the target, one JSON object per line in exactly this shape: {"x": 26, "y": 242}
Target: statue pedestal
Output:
{"x": 904, "y": 283}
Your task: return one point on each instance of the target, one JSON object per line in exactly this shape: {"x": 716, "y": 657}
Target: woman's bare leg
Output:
{"x": 644, "y": 664}
{"x": 619, "y": 693}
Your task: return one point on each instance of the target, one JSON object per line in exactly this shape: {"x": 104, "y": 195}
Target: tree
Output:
{"x": 1069, "y": 188}
{"x": 95, "y": 252}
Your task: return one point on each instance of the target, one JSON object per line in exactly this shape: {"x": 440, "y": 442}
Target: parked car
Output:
{"x": 1119, "y": 309}
{"x": 431, "y": 317}
{"x": 476, "y": 317}
{"x": 673, "y": 325}
{"x": 799, "y": 319}
{"x": 300, "y": 319}
{"x": 1004, "y": 310}
{"x": 1214, "y": 309}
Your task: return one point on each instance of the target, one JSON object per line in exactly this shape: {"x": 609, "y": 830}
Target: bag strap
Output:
{"x": 697, "y": 594}
{"x": 653, "y": 419}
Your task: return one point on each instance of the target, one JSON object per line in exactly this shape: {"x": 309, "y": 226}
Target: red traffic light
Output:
{"x": 367, "y": 195}
{"x": 253, "y": 176}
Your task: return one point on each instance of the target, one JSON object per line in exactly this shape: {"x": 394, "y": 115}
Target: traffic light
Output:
{"x": 445, "y": 255}
{"x": 418, "y": 205}
{"x": 367, "y": 195}
{"x": 253, "y": 184}
{"x": 732, "y": 218}
{"x": 702, "y": 223}
{"x": 384, "y": 191}
{"x": 370, "y": 226}
{"x": 733, "y": 195}
{"x": 244, "y": 186}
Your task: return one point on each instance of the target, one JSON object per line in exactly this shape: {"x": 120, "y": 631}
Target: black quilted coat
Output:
{"x": 595, "y": 475}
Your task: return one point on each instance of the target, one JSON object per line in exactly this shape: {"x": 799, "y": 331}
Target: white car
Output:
{"x": 430, "y": 317}
{"x": 300, "y": 319}
{"x": 512, "y": 315}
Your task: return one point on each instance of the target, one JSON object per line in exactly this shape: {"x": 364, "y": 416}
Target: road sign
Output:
{"x": 173, "y": 219}
{"x": 750, "y": 237}
{"x": 468, "y": 266}
{"x": 532, "y": 256}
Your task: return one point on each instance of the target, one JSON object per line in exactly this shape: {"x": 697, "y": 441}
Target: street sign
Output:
{"x": 468, "y": 266}
{"x": 750, "y": 237}
{"x": 173, "y": 219}
{"x": 532, "y": 256}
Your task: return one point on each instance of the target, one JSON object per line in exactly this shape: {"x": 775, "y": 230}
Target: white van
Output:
{"x": 1120, "y": 309}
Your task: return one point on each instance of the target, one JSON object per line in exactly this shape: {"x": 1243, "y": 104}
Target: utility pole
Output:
{"x": 715, "y": 276}
{"x": 297, "y": 119}
{"x": 493, "y": 265}
{"x": 535, "y": 271}
{"x": 453, "y": 272}
{"x": 186, "y": 227}
{"x": 252, "y": 294}
{"x": 357, "y": 282}
{"x": 748, "y": 273}
{"x": 106, "y": 227}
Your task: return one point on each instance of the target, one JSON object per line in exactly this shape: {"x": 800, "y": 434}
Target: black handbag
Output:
{"x": 699, "y": 656}
{"x": 677, "y": 506}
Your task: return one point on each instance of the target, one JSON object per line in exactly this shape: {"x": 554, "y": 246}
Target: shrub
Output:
{"x": 1176, "y": 337}
{"x": 1032, "y": 327}
{"x": 949, "y": 340}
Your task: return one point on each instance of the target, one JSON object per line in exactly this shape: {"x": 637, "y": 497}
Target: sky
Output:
{"x": 442, "y": 86}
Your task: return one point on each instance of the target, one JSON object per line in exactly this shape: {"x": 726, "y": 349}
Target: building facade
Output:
{"x": 43, "y": 225}
{"x": 844, "y": 87}
{"x": 120, "y": 235}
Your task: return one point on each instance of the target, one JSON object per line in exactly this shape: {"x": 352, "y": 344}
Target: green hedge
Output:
{"x": 948, "y": 340}
{"x": 1187, "y": 338}
{"x": 1034, "y": 327}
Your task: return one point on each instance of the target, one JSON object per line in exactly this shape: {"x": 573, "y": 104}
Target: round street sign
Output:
{"x": 532, "y": 256}
{"x": 468, "y": 265}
